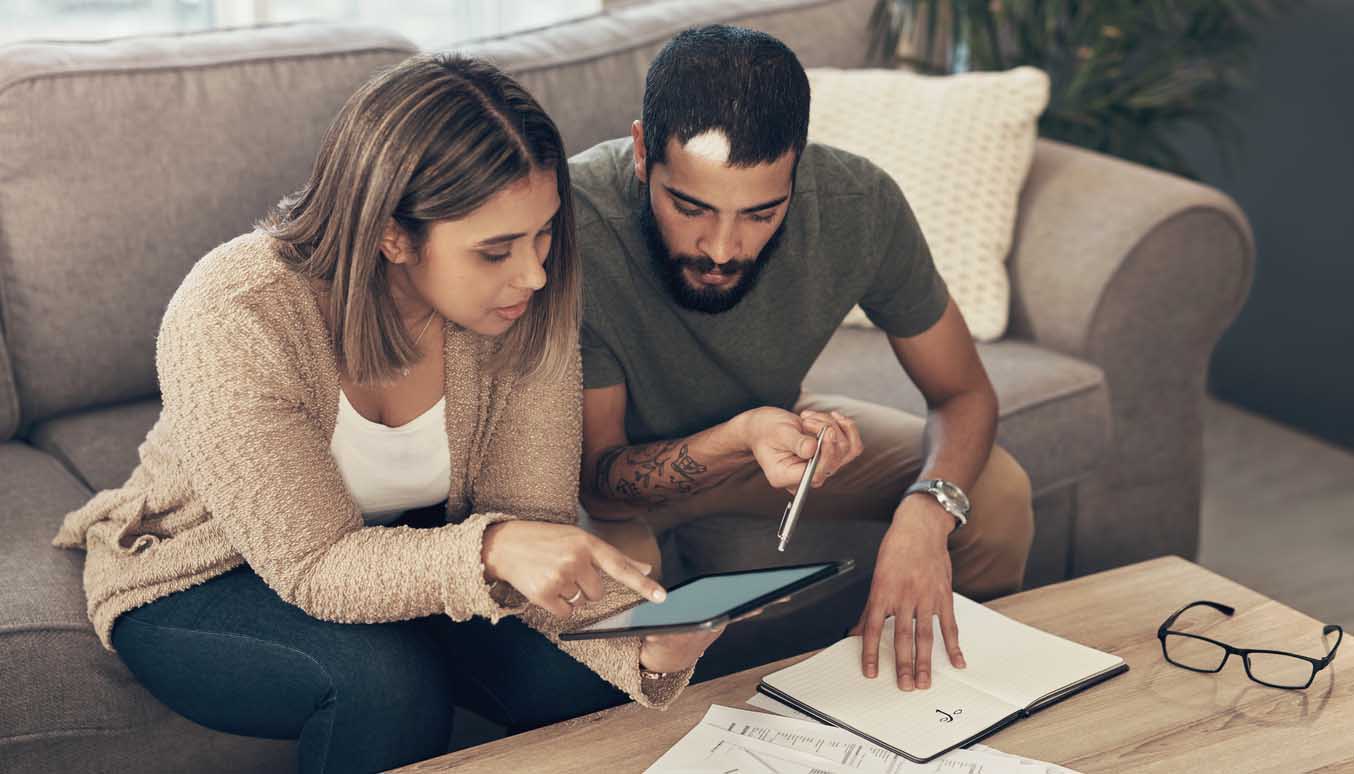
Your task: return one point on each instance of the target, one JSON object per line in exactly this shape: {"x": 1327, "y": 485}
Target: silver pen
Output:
{"x": 792, "y": 509}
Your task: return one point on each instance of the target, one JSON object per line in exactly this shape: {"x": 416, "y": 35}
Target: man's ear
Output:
{"x": 637, "y": 137}
{"x": 395, "y": 243}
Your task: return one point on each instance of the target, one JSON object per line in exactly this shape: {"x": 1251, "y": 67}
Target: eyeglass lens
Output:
{"x": 1272, "y": 668}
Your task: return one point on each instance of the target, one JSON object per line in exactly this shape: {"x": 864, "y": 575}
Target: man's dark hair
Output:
{"x": 743, "y": 82}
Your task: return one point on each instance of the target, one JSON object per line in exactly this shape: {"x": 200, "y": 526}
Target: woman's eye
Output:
{"x": 495, "y": 257}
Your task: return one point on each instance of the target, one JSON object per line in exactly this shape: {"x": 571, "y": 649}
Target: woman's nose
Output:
{"x": 533, "y": 274}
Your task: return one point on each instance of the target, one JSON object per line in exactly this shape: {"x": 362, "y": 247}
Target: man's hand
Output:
{"x": 782, "y": 443}
{"x": 912, "y": 580}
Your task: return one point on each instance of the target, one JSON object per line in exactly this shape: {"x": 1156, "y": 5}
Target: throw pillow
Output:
{"x": 960, "y": 147}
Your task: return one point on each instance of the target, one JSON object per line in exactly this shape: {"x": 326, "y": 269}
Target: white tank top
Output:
{"x": 390, "y": 470}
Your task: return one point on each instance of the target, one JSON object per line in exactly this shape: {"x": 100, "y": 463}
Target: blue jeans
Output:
{"x": 231, "y": 655}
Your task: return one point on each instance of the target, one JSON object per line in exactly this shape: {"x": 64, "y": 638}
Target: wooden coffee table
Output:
{"x": 1157, "y": 717}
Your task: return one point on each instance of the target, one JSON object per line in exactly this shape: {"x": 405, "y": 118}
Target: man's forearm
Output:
{"x": 959, "y": 437}
{"x": 654, "y": 474}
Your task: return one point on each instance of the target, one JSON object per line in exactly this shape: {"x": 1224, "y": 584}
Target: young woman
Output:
{"x": 400, "y": 333}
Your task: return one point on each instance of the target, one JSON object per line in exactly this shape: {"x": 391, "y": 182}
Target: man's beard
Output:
{"x": 710, "y": 300}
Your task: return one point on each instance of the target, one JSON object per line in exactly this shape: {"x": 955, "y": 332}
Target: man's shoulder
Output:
{"x": 600, "y": 176}
{"x": 836, "y": 173}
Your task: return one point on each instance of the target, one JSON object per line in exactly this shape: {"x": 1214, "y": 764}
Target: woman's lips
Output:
{"x": 512, "y": 312}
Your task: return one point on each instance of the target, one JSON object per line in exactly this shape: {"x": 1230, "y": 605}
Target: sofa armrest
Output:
{"x": 1139, "y": 272}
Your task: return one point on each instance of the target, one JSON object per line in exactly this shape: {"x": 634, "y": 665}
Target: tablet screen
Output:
{"x": 707, "y": 597}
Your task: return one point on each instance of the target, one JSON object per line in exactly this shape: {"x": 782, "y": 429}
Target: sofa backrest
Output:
{"x": 589, "y": 74}
{"x": 122, "y": 163}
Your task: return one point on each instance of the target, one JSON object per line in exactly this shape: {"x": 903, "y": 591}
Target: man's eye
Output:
{"x": 690, "y": 213}
{"x": 767, "y": 218}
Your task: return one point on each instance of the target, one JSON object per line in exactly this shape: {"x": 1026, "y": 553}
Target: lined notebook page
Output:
{"x": 1014, "y": 662}
{"x": 1010, "y": 667}
{"x": 921, "y": 723}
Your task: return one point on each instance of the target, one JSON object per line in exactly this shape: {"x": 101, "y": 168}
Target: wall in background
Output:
{"x": 431, "y": 24}
{"x": 1290, "y": 354}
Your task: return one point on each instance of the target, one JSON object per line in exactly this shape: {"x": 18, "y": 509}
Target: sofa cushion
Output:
{"x": 68, "y": 682}
{"x": 100, "y": 445}
{"x": 1054, "y": 409}
{"x": 123, "y": 162}
{"x": 9, "y": 397}
{"x": 68, "y": 698}
{"x": 605, "y": 57}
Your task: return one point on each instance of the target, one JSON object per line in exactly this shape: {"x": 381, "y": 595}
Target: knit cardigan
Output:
{"x": 238, "y": 470}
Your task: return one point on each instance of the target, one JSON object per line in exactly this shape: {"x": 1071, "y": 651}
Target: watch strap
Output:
{"x": 957, "y": 506}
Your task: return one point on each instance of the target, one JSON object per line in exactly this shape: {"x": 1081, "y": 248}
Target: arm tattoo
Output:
{"x": 650, "y": 475}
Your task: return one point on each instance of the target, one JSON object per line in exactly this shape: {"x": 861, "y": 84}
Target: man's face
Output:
{"x": 712, "y": 227}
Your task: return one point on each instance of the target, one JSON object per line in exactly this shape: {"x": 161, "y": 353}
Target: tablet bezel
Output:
{"x": 830, "y": 569}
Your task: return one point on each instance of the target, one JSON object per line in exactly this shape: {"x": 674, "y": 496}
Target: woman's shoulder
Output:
{"x": 246, "y": 266}
{"x": 243, "y": 309}
{"x": 245, "y": 275}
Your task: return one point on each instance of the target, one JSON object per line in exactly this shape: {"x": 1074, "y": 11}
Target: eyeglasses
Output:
{"x": 1275, "y": 668}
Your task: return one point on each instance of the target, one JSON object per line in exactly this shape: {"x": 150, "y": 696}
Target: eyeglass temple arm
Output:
{"x": 1325, "y": 632}
{"x": 1218, "y": 606}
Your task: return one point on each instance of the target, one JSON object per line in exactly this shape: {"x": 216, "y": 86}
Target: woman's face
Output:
{"x": 480, "y": 271}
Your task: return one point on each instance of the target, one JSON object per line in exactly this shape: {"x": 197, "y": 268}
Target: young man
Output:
{"x": 721, "y": 253}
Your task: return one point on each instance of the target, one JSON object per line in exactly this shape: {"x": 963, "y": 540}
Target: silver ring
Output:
{"x": 574, "y": 599}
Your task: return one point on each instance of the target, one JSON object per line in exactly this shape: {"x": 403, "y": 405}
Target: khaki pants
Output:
{"x": 988, "y": 555}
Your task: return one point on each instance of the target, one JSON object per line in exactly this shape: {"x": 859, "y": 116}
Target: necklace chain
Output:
{"x": 405, "y": 371}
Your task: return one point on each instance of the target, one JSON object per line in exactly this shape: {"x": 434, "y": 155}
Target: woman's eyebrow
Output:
{"x": 502, "y": 238}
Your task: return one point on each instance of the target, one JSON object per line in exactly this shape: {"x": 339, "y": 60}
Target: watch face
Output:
{"x": 946, "y": 501}
{"x": 951, "y": 497}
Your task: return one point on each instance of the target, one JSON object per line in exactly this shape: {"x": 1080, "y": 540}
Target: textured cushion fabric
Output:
{"x": 9, "y": 396}
{"x": 172, "y": 745}
{"x": 960, "y": 147}
{"x": 100, "y": 445}
{"x": 1055, "y": 410}
{"x": 589, "y": 74}
{"x": 71, "y": 701}
{"x": 41, "y": 584}
{"x": 123, "y": 162}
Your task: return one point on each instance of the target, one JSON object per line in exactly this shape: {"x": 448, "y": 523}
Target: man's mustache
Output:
{"x": 704, "y": 265}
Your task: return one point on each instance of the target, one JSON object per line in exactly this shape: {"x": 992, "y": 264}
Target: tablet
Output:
{"x": 708, "y": 601}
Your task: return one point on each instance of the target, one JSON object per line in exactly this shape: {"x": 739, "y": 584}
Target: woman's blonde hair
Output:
{"x": 430, "y": 139}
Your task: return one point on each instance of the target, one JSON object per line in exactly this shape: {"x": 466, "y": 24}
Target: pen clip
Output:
{"x": 784, "y": 519}
{"x": 792, "y": 508}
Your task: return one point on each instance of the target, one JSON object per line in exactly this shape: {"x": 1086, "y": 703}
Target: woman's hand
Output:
{"x": 675, "y": 652}
{"x": 557, "y": 566}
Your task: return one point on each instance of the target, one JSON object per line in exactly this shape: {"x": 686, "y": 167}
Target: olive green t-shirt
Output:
{"x": 850, "y": 238}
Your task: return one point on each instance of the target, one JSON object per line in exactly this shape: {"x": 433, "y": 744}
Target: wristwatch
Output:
{"x": 950, "y": 497}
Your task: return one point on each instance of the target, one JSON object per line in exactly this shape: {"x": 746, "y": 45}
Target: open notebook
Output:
{"x": 1013, "y": 670}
